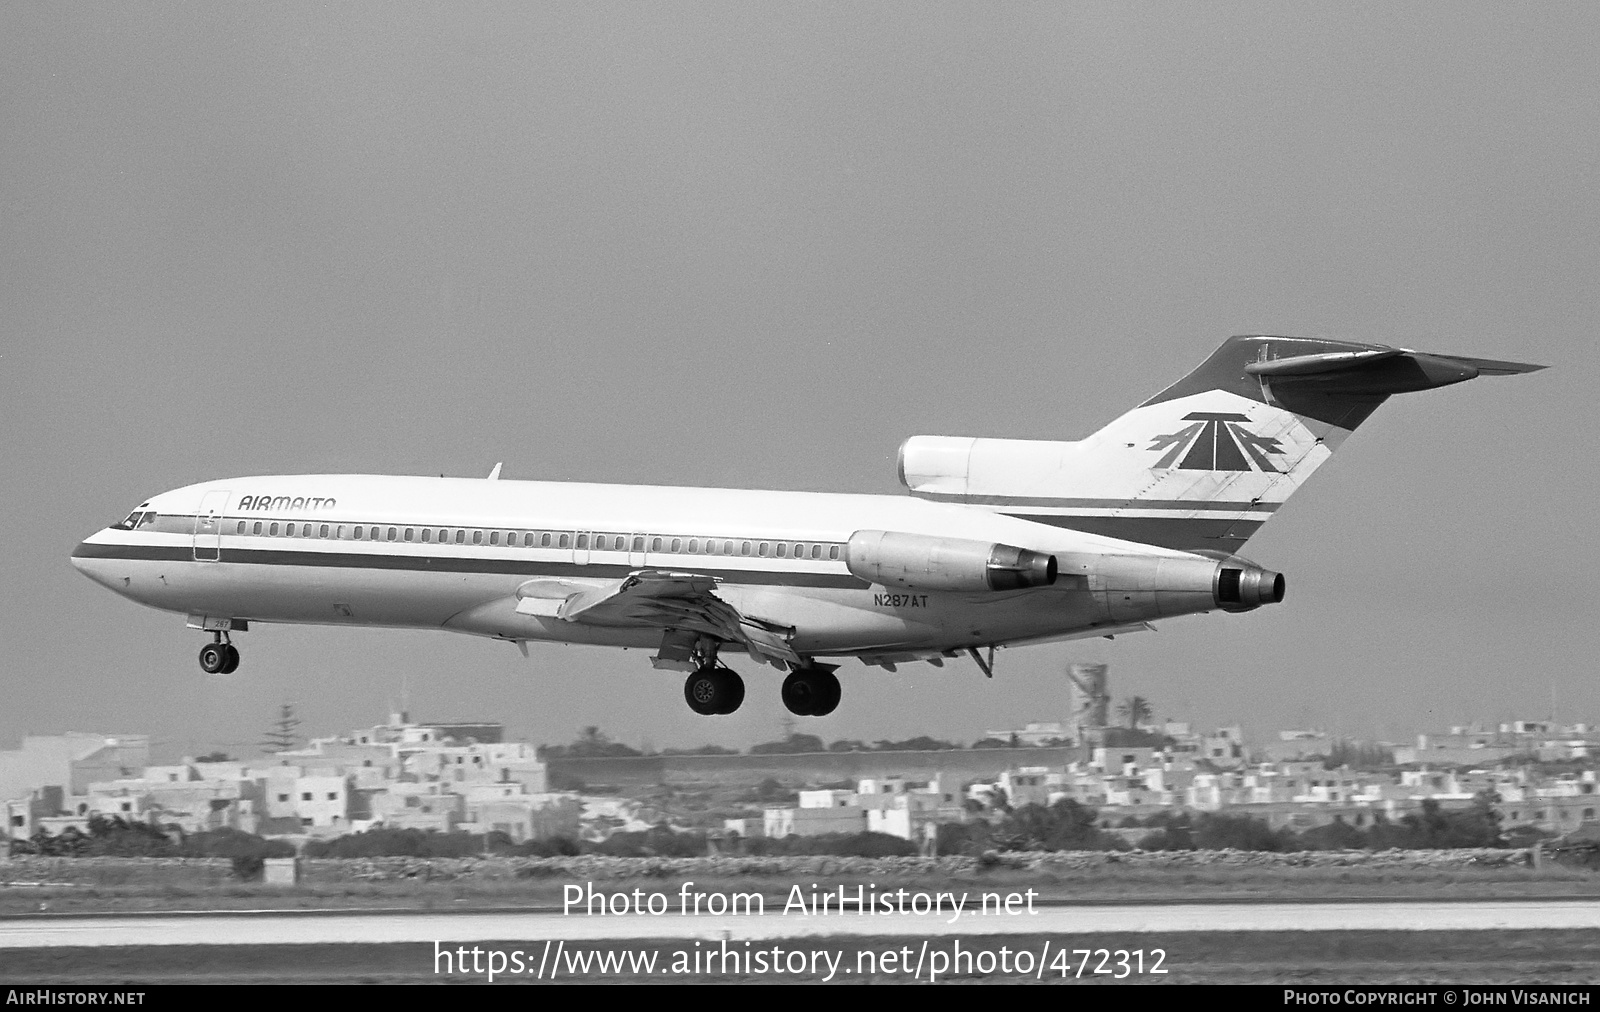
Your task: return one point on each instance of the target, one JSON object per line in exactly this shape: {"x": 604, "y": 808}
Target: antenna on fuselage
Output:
{"x": 495, "y": 474}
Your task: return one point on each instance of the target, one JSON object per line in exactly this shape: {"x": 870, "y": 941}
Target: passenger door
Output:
{"x": 208, "y": 526}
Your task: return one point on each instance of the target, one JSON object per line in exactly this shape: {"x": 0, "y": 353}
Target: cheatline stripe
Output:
{"x": 1175, "y": 505}
{"x": 447, "y": 564}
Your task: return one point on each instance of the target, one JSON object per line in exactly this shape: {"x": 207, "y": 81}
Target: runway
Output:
{"x": 291, "y": 928}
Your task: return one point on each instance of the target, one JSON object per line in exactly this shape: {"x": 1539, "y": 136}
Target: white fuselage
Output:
{"x": 451, "y": 553}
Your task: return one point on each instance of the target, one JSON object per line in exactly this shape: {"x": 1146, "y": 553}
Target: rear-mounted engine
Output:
{"x": 1244, "y": 586}
{"x": 920, "y": 562}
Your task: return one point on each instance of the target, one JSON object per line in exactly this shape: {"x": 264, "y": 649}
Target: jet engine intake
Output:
{"x": 921, "y": 562}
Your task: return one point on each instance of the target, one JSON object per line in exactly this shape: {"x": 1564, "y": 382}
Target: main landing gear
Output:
{"x": 219, "y": 657}
{"x": 811, "y": 692}
{"x": 711, "y": 690}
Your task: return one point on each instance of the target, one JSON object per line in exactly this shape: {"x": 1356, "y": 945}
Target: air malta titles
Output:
{"x": 269, "y": 503}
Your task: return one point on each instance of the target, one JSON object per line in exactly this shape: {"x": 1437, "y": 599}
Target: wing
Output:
{"x": 665, "y": 600}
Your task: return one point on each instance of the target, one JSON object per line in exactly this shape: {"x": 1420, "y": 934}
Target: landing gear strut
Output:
{"x": 711, "y": 690}
{"x": 219, "y": 657}
{"x": 811, "y": 692}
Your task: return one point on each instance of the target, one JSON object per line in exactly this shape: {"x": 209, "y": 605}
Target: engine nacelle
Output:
{"x": 921, "y": 562}
{"x": 1242, "y": 585}
{"x": 1137, "y": 588}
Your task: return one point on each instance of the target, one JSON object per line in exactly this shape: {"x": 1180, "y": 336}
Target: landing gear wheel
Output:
{"x": 831, "y": 692}
{"x": 232, "y": 664}
{"x": 810, "y": 692}
{"x": 800, "y": 692}
{"x": 732, "y": 689}
{"x": 214, "y": 658}
{"x": 705, "y": 692}
{"x": 713, "y": 690}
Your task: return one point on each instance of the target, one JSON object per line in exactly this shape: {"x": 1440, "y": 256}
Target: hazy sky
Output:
{"x": 759, "y": 245}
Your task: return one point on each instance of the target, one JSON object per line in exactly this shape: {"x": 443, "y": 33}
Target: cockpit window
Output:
{"x": 138, "y": 518}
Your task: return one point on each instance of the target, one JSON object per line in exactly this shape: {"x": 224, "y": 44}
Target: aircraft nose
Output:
{"x": 89, "y": 559}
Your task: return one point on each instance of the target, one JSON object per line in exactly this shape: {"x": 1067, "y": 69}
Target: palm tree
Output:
{"x": 1134, "y": 709}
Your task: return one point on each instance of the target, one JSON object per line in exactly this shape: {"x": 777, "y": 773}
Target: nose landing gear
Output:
{"x": 219, "y": 657}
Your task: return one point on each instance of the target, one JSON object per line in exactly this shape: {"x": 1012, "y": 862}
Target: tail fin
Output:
{"x": 1204, "y": 463}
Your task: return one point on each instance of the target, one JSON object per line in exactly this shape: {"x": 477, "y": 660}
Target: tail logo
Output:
{"x": 1216, "y": 441}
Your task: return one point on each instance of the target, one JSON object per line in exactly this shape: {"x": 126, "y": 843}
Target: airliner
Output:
{"x": 999, "y": 543}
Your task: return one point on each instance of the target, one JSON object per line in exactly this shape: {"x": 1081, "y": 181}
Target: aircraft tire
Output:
{"x": 800, "y": 693}
{"x": 733, "y": 690}
{"x": 703, "y": 690}
{"x": 213, "y": 658}
{"x": 828, "y": 697}
{"x": 232, "y": 664}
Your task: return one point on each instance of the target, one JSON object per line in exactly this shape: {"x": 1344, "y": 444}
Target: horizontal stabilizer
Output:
{"x": 1378, "y": 371}
{"x": 1309, "y": 365}
{"x": 1494, "y": 367}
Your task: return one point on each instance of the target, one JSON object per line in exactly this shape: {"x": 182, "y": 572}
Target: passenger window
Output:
{"x": 583, "y": 541}
{"x": 241, "y": 527}
{"x": 527, "y": 540}
{"x": 677, "y": 544}
{"x": 727, "y": 548}
{"x": 338, "y": 532}
{"x": 305, "y": 530}
{"x": 323, "y": 531}
{"x": 494, "y": 537}
{"x": 655, "y": 544}
{"x": 638, "y": 544}
{"x": 288, "y": 530}
{"x": 411, "y": 532}
{"x": 816, "y": 551}
{"x": 544, "y": 540}
{"x": 392, "y": 533}
{"x": 694, "y": 546}
{"x": 781, "y": 547}
{"x": 273, "y": 530}
{"x": 762, "y": 551}
{"x": 477, "y": 537}
{"x": 258, "y": 527}
{"x": 744, "y": 549}
{"x": 566, "y": 539}
{"x": 425, "y": 535}
{"x": 833, "y": 552}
